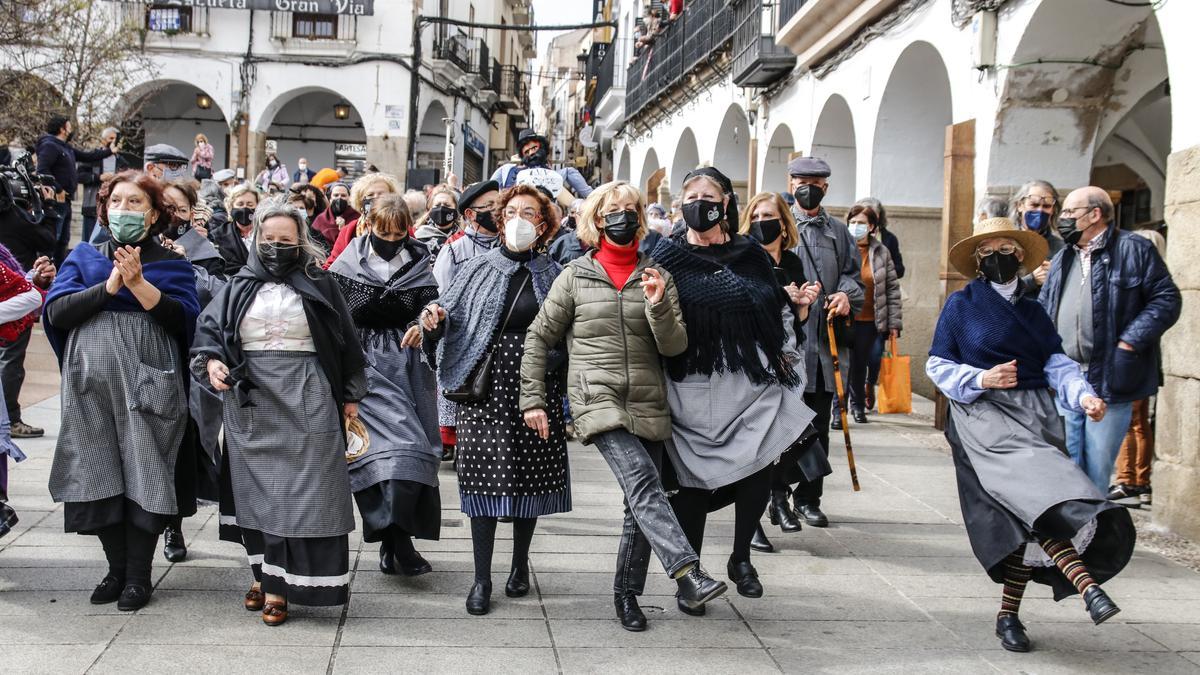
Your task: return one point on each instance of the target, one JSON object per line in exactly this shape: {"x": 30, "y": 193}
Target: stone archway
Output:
{"x": 834, "y": 141}
{"x": 731, "y": 153}
{"x": 317, "y": 124}
{"x": 775, "y": 160}
{"x": 650, "y": 167}
{"x": 431, "y": 141}
{"x": 174, "y": 112}
{"x": 623, "y": 171}
{"x": 687, "y": 157}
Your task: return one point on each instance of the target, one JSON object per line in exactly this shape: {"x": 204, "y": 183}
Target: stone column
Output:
{"x": 1176, "y": 475}
{"x": 388, "y": 153}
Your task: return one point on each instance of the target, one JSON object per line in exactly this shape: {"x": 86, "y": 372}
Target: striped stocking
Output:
{"x": 1067, "y": 559}
{"x": 1016, "y": 576}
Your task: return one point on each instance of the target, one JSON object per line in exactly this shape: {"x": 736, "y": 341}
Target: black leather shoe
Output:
{"x": 860, "y": 417}
{"x": 870, "y": 397}
{"x": 8, "y": 519}
{"x": 504, "y": 519}
{"x": 690, "y": 611}
{"x": 387, "y": 561}
{"x": 813, "y": 515}
{"x": 759, "y": 541}
{"x": 697, "y": 588}
{"x": 518, "y": 583}
{"x": 629, "y": 613}
{"x": 745, "y": 577}
{"x": 836, "y": 422}
{"x": 1011, "y": 632}
{"x": 447, "y": 453}
{"x": 479, "y": 600}
{"x": 174, "y": 547}
{"x": 1099, "y": 605}
{"x": 108, "y": 590}
{"x": 780, "y": 513}
{"x": 415, "y": 567}
{"x": 135, "y": 596}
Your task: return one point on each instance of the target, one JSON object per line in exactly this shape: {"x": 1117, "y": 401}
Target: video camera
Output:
{"x": 20, "y": 189}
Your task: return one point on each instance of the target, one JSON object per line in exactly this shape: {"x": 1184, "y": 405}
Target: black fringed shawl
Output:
{"x": 384, "y": 309}
{"x": 733, "y": 308}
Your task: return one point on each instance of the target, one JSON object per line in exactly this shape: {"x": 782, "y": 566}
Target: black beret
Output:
{"x": 814, "y": 167}
{"x": 475, "y": 191}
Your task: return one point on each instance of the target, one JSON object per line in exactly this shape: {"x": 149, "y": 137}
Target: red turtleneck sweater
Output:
{"x": 618, "y": 261}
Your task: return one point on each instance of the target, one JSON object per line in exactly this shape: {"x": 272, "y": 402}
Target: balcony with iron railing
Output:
{"x": 454, "y": 49}
{"x": 757, "y": 60}
{"x": 688, "y": 43}
{"x": 788, "y": 9}
{"x": 513, "y": 90}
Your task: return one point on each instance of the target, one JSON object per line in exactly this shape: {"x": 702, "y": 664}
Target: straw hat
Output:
{"x": 962, "y": 255}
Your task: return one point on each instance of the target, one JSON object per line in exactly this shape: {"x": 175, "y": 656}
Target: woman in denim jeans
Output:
{"x": 618, "y": 314}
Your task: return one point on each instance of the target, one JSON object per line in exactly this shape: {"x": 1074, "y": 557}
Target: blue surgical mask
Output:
{"x": 1036, "y": 220}
{"x": 859, "y": 230}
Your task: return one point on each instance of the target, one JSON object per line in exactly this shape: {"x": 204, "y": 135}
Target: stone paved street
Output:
{"x": 890, "y": 587}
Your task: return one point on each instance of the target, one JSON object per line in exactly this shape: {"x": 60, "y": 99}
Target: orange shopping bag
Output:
{"x": 895, "y": 385}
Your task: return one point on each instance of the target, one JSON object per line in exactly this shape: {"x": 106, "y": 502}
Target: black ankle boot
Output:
{"x": 629, "y": 613}
{"x": 745, "y": 577}
{"x": 387, "y": 561}
{"x": 8, "y": 519}
{"x": 1099, "y": 605}
{"x": 1011, "y": 632}
{"x": 518, "y": 583}
{"x": 780, "y": 513}
{"x": 813, "y": 515}
{"x": 697, "y": 588}
{"x": 174, "y": 546}
{"x": 479, "y": 599}
{"x": 860, "y": 416}
{"x": 690, "y": 611}
{"x": 759, "y": 541}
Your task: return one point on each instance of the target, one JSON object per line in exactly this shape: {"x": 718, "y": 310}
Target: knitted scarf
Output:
{"x": 474, "y": 306}
{"x": 384, "y": 308}
{"x": 13, "y": 284}
{"x": 979, "y": 328}
{"x": 733, "y": 310}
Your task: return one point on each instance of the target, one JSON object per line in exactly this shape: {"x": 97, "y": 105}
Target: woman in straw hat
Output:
{"x": 1030, "y": 512}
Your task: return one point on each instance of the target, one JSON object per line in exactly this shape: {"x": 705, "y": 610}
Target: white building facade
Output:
{"x": 928, "y": 105}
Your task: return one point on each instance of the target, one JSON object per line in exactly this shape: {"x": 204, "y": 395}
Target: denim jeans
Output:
{"x": 650, "y": 522}
{"x": 1094, "y": 445}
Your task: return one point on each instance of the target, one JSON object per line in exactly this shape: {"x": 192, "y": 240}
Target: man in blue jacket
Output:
{"x": 57, "y": 157}
{"x": 1111, "y": 297}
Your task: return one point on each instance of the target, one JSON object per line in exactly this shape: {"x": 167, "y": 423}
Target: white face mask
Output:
{"x": 519, "y": 234}
{"x": 859, "y": 230}
{"x": 302, "y": 166}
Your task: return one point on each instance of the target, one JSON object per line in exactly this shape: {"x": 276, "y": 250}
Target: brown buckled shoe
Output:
{"x": 275, "y": 613}
{"x": 255, "y": 599}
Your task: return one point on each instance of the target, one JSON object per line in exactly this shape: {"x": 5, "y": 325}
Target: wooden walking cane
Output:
{"x": 841, "y": 393}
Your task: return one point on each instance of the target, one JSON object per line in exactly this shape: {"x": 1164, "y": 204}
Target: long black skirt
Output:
{"x": 404, "y": 506}
{"x": 311, "y": 571}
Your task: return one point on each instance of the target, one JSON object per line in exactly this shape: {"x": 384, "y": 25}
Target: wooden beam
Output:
{"x": 958, "y": 211}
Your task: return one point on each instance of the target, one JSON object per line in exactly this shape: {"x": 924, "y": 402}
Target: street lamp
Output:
{"x": 341, "y": 111}
{"x": 203, "y": 101}
{"x": 582, "y": 59}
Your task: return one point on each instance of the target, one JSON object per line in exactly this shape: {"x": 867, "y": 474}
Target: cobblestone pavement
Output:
{"x": 890, "y": 587}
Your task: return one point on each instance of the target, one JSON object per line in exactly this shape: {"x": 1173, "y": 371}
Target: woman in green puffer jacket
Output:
{"x": 619, "y": 313}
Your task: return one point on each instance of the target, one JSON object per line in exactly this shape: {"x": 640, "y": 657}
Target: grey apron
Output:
{"x": 287, "y": 451}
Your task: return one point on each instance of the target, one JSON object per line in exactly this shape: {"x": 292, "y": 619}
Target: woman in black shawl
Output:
{"x": 279, "y": 343}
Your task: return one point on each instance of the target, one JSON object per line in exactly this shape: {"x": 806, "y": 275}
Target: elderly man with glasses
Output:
{"x": 1111, "y": 299}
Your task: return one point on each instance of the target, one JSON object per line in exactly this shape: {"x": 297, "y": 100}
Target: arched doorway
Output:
{"x": 908, "y": 158}
{"x": 1132, "y": 160}
{"x": 731, "y": 154}
{"x": 431, "y": 148}
{"x": 687, "y": 157}
{"x": 623, "y": 165}
{"x": 650, "y": 167}
{"x": 775, "y": 160}
{"x": 174, "y": 113}
{"x": 25, "y": 104}
{"x": 318, "y": 125}
{"x": 833, "y": 141}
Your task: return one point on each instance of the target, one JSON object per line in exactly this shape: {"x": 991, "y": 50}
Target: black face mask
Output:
{"x": 180, "y": 226}
{"x": 1000, "y": 268}
{"x": 279, "y": 259}
{"x": 339, "y": 206}
{"x": 537, "y": 157}
{"x": 242, "y": 216}
{"x": 703, "y": 215}
{"x": 443, "y": 216}
{"x": 386, "y": 249}
{"x": 768, "y": 230}
{"x": 621, "y": 227}
{"x": 485, "y": 221}
{"x": 1067, "y": 228}
{"x": 808, "y": 197}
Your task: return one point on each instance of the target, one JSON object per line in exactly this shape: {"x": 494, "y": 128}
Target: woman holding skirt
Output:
{"x": 280, "y": 344}
{"x": 1030, "y": 512}
{"x": 386, "y": 278}
{"x": 505, "y": 469}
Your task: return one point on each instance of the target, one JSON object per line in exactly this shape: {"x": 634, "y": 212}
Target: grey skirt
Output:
{"x": 287, "y": 449}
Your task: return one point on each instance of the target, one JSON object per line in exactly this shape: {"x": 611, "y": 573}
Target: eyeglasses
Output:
{"x": 1040, "y": 202}
{"x": 1004, "y": 249}
{"x": 532, "y": 215}
{"x": 1073, "y": 209}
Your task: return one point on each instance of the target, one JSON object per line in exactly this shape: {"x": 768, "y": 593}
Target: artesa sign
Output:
{"x": 351, "y": 7}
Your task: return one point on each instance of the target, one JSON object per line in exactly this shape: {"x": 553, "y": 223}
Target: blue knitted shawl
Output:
{"x": 979, "y": 328}
{"x": 474, "y": 305}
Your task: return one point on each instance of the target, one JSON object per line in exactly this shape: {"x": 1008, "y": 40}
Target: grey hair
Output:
{"x": 992, "y": 207}
{"x": 1104, "y": 204}
{"x": 311, "y": 255}
{"x": 210, "y": 193}
{"x": 876, "y": 206}
{"x": 1014, "y": 210}
{"x": 110, "y": 130}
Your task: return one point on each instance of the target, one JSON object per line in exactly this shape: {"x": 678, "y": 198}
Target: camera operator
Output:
{"x": 27, "y": 239}
{"x": 57, "y": 157}
{"x": 92, "y": 174}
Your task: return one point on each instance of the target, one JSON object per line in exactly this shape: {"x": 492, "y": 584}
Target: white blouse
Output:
{"x": 276, "y": 321}
{"x": 384, "y": 269}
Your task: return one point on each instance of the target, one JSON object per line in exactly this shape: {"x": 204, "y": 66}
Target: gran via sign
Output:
{"x": 351, "y": 7}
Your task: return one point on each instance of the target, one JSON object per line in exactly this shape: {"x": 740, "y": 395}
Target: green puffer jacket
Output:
{"x": 615, "y": 379}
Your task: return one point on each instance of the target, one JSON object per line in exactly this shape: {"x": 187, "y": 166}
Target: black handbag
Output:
{"x": 478, "y": 386}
